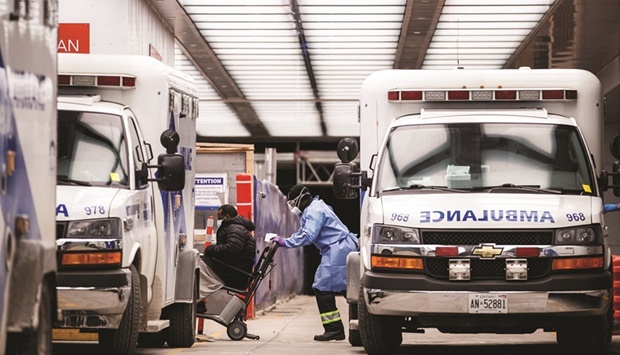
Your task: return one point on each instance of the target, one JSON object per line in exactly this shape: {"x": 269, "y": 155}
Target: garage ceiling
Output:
{"x": 290, "y": 70}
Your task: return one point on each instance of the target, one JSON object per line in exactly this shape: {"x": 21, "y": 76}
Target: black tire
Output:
{"x": 151, "y": 340}
{"x": 380, "y": 335}
{"x": 182, "y": 316}
{"x": 123, "y": 341}
{"x": 37, "y": 341}
{"x": 354, "y": 335}
{"x": 237, "y": 330}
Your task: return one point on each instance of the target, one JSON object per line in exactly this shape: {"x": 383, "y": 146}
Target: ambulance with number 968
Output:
{"x": 482, "y": 207}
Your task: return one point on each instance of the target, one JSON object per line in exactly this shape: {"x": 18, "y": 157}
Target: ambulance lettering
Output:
{"x": 486, "y": 216}
{"x": 133, "y": 210}
{"x": 62, "y": 209}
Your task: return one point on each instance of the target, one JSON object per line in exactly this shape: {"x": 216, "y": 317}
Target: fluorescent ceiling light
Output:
{"x": 476, "y": 24}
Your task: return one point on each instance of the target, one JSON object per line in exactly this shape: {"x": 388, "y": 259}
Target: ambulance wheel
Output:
{"x": 39, "y": 340}
{"x": 237, "y": 330}
{"x": 123, "y": 340}
{"x": 182, "y": 316}
{"x": 380, "y": 335}
{"x": 354, "y": 334}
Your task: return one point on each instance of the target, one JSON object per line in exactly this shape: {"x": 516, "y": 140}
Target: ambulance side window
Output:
{"x": 138, "y": 153}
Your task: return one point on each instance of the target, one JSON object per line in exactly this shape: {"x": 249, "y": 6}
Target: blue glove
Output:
{"x": 278, "y": 240}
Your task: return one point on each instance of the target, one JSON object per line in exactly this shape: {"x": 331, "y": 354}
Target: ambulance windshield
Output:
{"x": 496, "y": 157}
{"x": 91, "y": 149}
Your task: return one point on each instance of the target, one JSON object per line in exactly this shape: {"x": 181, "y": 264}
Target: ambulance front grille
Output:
{"x": 499, "y": 237}
{"x": 437, "y": 267}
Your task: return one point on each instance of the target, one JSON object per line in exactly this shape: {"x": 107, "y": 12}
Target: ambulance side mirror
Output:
{"x": 348, "y": 179}
{"x": 170, "y": 140}
{"x": 347, "y": 150}
{"x": 170, "y": 174}
{"x": 345, "y": 186}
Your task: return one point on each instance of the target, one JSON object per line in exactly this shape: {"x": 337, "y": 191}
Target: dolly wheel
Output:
{"x": 237, "y": 330}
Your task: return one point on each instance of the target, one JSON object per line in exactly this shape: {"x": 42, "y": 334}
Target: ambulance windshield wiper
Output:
{"x": 66, "y": 179}
{"x": 424, "y": 187}
{"x": 510, "y": 186}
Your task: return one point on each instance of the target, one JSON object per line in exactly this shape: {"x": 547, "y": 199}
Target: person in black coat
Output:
{"x": 235, "y": 248}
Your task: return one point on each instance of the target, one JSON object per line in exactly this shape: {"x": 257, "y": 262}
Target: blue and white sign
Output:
{"x": 211, "y": 190}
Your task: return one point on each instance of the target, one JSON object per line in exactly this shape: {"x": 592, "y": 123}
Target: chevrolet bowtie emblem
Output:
{"x": 487, "y": 251}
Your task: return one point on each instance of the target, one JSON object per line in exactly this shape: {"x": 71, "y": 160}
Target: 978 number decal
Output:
{"x": 575, "y": 217}
{"x": 90, "y": 210}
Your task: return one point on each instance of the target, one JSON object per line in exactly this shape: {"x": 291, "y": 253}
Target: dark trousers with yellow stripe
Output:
{"x": 330, "y": 316}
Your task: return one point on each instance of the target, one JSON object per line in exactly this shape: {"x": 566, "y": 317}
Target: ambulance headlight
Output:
{"x": 95, "y": 228}
{"x": 580, "y": 236}
{"x": 384, "y": 234}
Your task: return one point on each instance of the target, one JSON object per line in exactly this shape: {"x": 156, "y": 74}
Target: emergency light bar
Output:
{"x": 483, "y": 95}
{"x": 118, "y": 81}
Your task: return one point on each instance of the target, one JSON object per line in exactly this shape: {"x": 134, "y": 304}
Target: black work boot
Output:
{"x": 330, "y": 316}
{"x": 333, "y": 335}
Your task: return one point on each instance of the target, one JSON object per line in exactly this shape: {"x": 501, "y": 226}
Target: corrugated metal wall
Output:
{"x": 271, "y": 215}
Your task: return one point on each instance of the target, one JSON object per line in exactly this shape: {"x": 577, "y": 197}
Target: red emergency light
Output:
{"x": 411, "y": 95}
{"x": 458, "y": 95}
{"x": 109, "y": 80}
{"x": 505, "y": 95}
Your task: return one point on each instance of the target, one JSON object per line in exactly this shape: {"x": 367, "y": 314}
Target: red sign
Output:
{"x": 73, "y": 38}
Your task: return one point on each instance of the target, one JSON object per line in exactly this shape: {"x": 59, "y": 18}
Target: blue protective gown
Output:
{"x": 320, "y": 226}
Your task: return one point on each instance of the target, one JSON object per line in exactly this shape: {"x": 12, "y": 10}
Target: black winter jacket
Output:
{"x": 235, "y": 247}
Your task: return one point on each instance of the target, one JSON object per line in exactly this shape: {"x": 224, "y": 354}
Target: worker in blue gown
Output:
{"x": 611, "y": 207}
{"x": 319, "y": 225}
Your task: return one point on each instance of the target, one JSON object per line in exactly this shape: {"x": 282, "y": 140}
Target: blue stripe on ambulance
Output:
{"x": 179, "y": 223}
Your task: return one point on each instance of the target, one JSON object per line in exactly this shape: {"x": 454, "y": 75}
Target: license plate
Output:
{"x": 488, "y": 303}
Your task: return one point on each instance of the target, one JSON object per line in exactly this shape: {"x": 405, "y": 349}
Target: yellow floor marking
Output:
{"x": 73, "y": 335}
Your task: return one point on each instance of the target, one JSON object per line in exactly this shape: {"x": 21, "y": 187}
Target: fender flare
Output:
{"x": 353, "y": 277}
{"x": 187, "y": 269}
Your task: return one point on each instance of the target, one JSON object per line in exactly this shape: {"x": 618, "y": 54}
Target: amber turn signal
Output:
{"x": 92, "y": 258}
{"x": 577, "y": 263}
{"x": 395, "y": 262}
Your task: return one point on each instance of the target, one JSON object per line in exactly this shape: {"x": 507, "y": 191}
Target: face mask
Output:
{"x": 219, "y": 223}
{"x": 296, "y": 211}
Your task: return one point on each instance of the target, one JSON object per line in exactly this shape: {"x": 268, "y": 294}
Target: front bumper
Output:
{"x": 415, "y": 295}
{"x": 93, "y": 299}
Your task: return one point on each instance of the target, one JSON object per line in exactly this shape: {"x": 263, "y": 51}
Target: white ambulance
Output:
{"x": 28, "y": 33}
{"x": 481, "y": 211}
{"x": 124, "y": 222}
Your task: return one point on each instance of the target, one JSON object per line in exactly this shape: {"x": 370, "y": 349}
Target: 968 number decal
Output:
{"x": 575, "y": 217}
{"x": 401, "y": 217}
